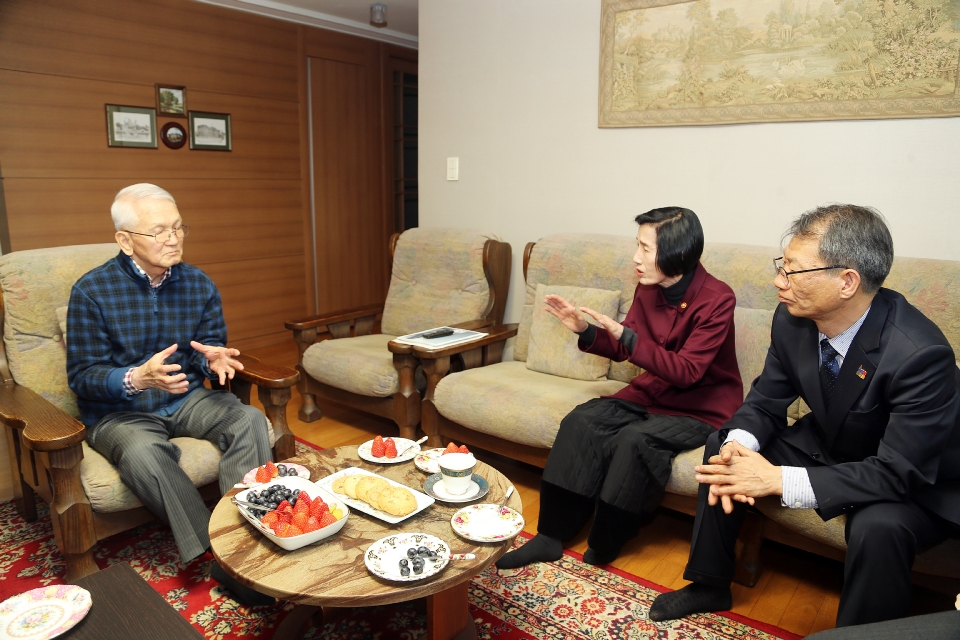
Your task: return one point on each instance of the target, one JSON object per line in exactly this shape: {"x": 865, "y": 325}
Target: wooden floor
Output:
{"x": 798, "y": 591}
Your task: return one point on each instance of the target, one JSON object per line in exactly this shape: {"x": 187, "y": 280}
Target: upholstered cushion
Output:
{"x": 806, "y": 521}
{"x": 62, "y": 321}
{"x": 553, "y": 347}
{"x": 933, "y": 286}
{"x": 107, "y": 494}
{"x": 747, "y": 269}
{"x": 753, "y": 341}
{"x": 437, "y": 280}
{"x": 682, "y": 480}
{"x": 35, "y": 283}
{"x": 361, "y": 365}
{"x": 509, "y": 401}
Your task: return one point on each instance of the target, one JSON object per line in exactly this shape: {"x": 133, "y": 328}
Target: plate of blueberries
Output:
{"x": 405, "y": 557}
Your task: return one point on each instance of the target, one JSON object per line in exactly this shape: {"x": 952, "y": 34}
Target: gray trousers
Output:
{"x": 138, "y": 444}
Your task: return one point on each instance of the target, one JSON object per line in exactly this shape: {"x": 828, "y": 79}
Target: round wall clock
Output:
{"x": 174, "y": 135}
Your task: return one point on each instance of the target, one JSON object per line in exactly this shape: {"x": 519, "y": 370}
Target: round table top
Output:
{"x": 332, "y": 572}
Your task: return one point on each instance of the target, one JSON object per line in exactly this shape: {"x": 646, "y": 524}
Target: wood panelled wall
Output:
{"x": 61, "y": 61}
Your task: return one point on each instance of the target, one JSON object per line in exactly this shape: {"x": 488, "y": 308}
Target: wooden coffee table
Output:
{"x": 333, "y": 574}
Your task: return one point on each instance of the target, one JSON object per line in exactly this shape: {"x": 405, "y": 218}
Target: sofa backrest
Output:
{"x": 437, "y": 280}
{"x": 35, "y": 284}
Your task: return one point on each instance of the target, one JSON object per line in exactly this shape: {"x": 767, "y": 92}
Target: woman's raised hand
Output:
{"x": 608, "y": 323}
{"x": 564, "y": 312}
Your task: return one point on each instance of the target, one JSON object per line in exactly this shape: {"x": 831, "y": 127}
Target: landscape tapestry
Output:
{"x": 677, "y": 62}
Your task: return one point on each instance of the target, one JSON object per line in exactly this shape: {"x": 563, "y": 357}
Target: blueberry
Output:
{"x": 405, "y": 571}
{"x": 418, "y": 562}
{"x": 404, "y": 562}
{"x": 423, "y": 552}
{"x": 281, "y": 470}
{"x": 417, "y": 568}
{"x": 411, "y": 553}
{"x": 296, "y": 493}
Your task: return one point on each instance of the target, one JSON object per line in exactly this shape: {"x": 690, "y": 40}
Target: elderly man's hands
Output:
{"x": 570, "y": 316}
{"x": 739, "y": 474}
{"x": 154, "y": 374}
{"x": 220, "y": 360}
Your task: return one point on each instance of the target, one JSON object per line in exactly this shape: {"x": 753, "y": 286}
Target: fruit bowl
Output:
{"x": 296, "y": 542}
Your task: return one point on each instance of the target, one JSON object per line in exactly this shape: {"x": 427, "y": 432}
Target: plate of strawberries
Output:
{"x": 270, "y": 471}
{"x": 293, "y": 512}
{"x": 429, "y": 460}
{"x": 382, "y": 450}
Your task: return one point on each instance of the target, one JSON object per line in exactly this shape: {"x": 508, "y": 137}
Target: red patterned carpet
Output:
{"x": 566, "y": 599}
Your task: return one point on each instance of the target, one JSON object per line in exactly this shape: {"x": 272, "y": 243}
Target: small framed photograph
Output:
{"x": 210, "y": 131}
{"x": 131, "y": 126}
{"x": 173, "y": 134}
{"x": 172, "y": 101}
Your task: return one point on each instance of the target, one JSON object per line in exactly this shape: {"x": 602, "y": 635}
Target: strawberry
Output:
{"x": 318, "y": 507}
{"x": 390, "y": 448}
{"x": 451, "y": 448}
{"x": 378, "y": 449}
{"x": 263, "y": 475}
{"x": 463, "y": 449}
{"x": 300, "y": 521}
{"x": 312, "y": 525}
{"x": 276, "y": 526}
{"x": 303, "y": 506}
{"x": 285, "y": 516}
{"x": 304, "y": 495}
{"x": 272, "y": 468}
{"x": 269, "y": 518}
{"x": 289, "y": 530}
{"x": 327, "y": 519}
{"x": 284, "y": 506}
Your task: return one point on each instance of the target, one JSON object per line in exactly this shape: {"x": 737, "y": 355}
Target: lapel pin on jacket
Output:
{"x": 862, "y": 373}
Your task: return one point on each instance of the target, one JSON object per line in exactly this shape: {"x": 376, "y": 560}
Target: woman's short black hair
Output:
{"x": 679, "y": 239}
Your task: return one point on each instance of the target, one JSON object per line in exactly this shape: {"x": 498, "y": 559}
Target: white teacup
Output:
{"x": 457, "y": 470}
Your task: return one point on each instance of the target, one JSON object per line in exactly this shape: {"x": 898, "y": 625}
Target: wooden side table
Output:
{"x": 332, "y": 573}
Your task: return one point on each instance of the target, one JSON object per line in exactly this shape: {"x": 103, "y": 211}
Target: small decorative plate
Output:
{"x": 433, "y": 486}
{"x": 487, "y": 522}
{"x": 43, "y": 613}
{"x": 402, "y": 443}
{"x": 383, "y": 556}
{"x": 302, "y": 472}
{"x": 429, "y": 460}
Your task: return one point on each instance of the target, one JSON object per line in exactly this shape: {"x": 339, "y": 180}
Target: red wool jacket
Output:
{"x": 688, "y": 352}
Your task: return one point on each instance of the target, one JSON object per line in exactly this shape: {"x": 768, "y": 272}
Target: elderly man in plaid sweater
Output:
{"x": 145, "y": 331}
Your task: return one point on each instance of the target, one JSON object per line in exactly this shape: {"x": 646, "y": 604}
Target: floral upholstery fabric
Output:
{"x": 747, "y": 269}
{"x": 509, "y": 401}
{"x": 682, "y": 475}
{"x": 753, "y": 341}
{"x": 437, "y": 280}
{"x": 35, "y": 283}
{"x": 361, "y": 365}
{"x": 933, "y": 287}
{"x": 553, "y": 348}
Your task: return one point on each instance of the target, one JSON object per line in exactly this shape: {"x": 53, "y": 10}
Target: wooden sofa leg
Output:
{"x": 429, "y": 416}
{"x": 749, "y": 568}
{"x": 23, "y": 495}
{"x": 406, "y": 402}
{"x": 309, "y": 411}
{"x": 71, "y": 514}
{"x": 274, "y": 403}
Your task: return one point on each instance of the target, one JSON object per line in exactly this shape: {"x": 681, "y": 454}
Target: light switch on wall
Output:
{"x": 453, "y": 168}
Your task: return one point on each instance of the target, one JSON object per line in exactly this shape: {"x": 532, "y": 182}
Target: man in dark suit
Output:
{"x": 881, "y": 443}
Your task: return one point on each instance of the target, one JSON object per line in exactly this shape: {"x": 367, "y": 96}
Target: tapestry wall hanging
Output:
{"x": 682, "y": 62}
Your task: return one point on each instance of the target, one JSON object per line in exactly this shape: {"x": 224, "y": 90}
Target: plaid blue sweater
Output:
{"x": 116, "y": 321}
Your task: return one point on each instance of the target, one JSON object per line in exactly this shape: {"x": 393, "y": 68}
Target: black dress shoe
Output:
{"x": 241, "y": 593}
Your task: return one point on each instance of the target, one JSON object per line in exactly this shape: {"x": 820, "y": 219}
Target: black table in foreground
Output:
{"x": 125, "y": 606}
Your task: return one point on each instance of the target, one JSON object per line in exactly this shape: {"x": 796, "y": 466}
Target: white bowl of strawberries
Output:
{"x": 293, "y": 512}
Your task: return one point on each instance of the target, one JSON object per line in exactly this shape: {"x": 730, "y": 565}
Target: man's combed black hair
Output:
{"x": 679, "y": 239}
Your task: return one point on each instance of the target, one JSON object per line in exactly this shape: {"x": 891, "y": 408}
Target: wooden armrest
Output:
{"x": 45, "y": 426}
{"x": 267, "y": 376}
{"x": 336, "y": 316}
{"x": 496, "y": 334}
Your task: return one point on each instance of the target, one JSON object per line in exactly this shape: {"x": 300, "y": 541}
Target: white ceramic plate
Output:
{"x": 250, "y": 479}
{"x": 435, "y": 489}
{"x": 313, "y": 490}
{"x": 402, "y": 443}
{"x": 43, "y": 613}
{"x": 487, "y": 522}
{"x": 423, "y": 500}
{"x": 383, "y": 556}
{"x": 429, "y": 460}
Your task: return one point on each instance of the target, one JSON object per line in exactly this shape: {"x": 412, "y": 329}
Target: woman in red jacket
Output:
{"x": 613, "y": 454}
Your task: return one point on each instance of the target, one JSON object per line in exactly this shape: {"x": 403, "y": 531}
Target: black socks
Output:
{"x": 241, "y": 593}
{"x": 540, "y": 548}
{"x": 693, "y": 598}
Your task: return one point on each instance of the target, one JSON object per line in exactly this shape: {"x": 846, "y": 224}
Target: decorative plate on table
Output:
{"x": 402, "y": 443}
{"x": 487, "y": 522}
{"x": 429, "y": 460}
{"x": 383, "y": 556}
{"x": 435, "y": 489}
{"x": 43, "y": 613}
{"x": 302, "y": 472}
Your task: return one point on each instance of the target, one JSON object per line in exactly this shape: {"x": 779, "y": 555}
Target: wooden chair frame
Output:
{"x": 404, "y": 406}
{"x": 45, "y": 445}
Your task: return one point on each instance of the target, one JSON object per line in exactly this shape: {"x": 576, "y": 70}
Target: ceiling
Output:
{"x": 347, "y": 16}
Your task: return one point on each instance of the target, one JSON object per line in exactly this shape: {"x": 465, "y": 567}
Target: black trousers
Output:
{"x": 933, "y": 626}
{"x": 882, "y": 541}
{"x": 614, "y": 450}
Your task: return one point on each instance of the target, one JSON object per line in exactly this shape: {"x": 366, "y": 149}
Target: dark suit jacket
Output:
{"x": 892, "y": 432}
{"x": 688, "y": 352}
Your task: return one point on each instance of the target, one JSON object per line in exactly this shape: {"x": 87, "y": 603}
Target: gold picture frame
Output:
{"x": 708, "y": 62}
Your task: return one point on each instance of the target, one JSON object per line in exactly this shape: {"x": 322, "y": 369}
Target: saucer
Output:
{"x": 487, "y": 522}
{"x": 43, "y": 613}
{"x": 433, "y": 486}
{"x": 429, "y": 461}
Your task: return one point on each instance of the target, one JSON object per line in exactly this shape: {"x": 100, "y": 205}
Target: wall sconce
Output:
{"x": 378, "y": 14}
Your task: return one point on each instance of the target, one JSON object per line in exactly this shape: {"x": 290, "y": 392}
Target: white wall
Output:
{"x": 510, "y": 87}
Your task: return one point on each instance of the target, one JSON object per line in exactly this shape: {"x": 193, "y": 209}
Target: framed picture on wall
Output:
{"x": 171, "y": 101}
{"x": 173, "y": 134}
{"x": 210, "y": 131}
{"x": 131, "y": 126}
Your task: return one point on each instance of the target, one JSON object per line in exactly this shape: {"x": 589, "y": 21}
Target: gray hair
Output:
{"x": 124, "y": 212}
{"x": 856, "y": 237}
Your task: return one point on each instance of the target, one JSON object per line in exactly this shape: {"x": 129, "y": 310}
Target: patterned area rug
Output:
{"x": 566, "y": 599}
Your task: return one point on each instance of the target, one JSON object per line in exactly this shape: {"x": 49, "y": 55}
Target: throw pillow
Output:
{"x": 553, "y": 347}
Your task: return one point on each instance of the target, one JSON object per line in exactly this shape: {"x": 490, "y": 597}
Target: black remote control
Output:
{"x": 439, "y": 333}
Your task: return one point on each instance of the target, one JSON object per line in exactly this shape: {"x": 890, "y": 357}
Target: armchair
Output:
{"x": 45, "y": 442}
{"x": 440, "y": 277}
